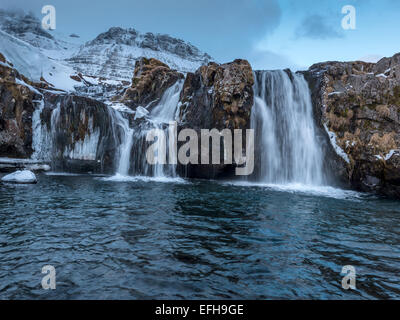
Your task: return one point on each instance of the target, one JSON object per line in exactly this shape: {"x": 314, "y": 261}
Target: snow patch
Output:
{"x": 141, "y": 113}
{"x": 336, "y": 93}
{"x": 391, "y": 154}
{"x": 25, "y": 177}
{"x": 388, "y": 156}
{"x": 120, "y": 107}
{"x": 338, "y": 150}
{"x": 23, "y": 83}
{"x": 33, "y": 63}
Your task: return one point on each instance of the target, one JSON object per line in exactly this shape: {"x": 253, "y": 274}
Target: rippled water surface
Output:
{"x": 142, "y": 239}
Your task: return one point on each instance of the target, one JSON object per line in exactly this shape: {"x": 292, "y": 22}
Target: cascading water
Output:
{"x": 126, "y": 143}
{"x": 159, "y": 118}
{"x": 114, "y": 135}
{"x": 41, "y": 138}
{"x": 132, "y": 142}
{"x": 286, "y": 149}
{"x": 167, "y": 108}
{"x": 165, "y": 112}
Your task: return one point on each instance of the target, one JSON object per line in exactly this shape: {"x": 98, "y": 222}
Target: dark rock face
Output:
{"x": 17, "y": 103}
{"x": 151, "y": 79}
{"x": 83, "y": 133}
{"x": 220, "y": 97}
{"x": 359, "y": 104}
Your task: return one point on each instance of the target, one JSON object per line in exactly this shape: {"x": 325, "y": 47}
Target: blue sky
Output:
{"x": 271, "y": 34}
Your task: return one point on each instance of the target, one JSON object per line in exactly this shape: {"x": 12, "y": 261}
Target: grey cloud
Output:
{"x": 268, "y": 60}
{"x": 318, "y": 27}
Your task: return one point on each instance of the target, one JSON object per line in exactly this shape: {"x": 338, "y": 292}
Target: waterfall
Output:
{"x": 131, "y": 157}
{"x": 124, "y": 154}
{"x": 41, "y": 138}
{"x": 165, "y": 112}
{"x": 286, "y": 148}
{"x": 158, "y": 118}
{"x": 167, "y": 109}
{"x": 106, "y": 137}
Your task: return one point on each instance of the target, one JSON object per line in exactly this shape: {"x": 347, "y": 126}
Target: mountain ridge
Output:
{"x": 111, "y": 55}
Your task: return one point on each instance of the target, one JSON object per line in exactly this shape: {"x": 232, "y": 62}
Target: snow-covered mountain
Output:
{"x": 28, "y": 28}
{"x": 113, "y": 54}
{"x": 35, "y": 64}
{"x": 34, "y": 52}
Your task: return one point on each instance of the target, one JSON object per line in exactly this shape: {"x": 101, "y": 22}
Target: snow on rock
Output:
{"x": 381, "y": 75}
{"x": 141, "y": 112}
{"x": 388, "y": 156}
{"x": 120, "y": 107}
{"x": 391, "y": 154}
{"x": 23, "y": 177}
{"x": 339, "y": 150}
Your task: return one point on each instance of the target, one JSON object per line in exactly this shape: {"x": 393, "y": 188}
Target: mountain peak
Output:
{"x": 112, "y": 54}
{"x": 153, "y": 41}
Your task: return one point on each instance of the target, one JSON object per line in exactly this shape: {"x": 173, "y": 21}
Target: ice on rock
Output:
{"x": 24, "y": 177}
{"x": 141, "y": 113}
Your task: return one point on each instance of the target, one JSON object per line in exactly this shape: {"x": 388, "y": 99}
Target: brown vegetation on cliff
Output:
{"x": 360, "y": 103}
{"x": 150, "y": 80}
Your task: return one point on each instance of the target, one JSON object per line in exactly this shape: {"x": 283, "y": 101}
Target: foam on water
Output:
{"x": 61, "y": 174}
{"x": 299, "y": 188}
{"x": 123, "y": 178}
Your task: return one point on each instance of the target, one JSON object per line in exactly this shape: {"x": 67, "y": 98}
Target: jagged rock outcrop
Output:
{"x": 150, "y": 80}
{"x": 17, "y": 103}
{"x": 358, "y": 104}
{"x": 217, "y": 96}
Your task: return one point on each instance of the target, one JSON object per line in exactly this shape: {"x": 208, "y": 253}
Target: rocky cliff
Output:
{"x": 17, "y": 104}
{"x": 151, "y": 78}
{"x": 39, "y": 121}
{"x": 220, "y": 97}
{"x": 358, "y": 105}
{"x": 82, "y": 133}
